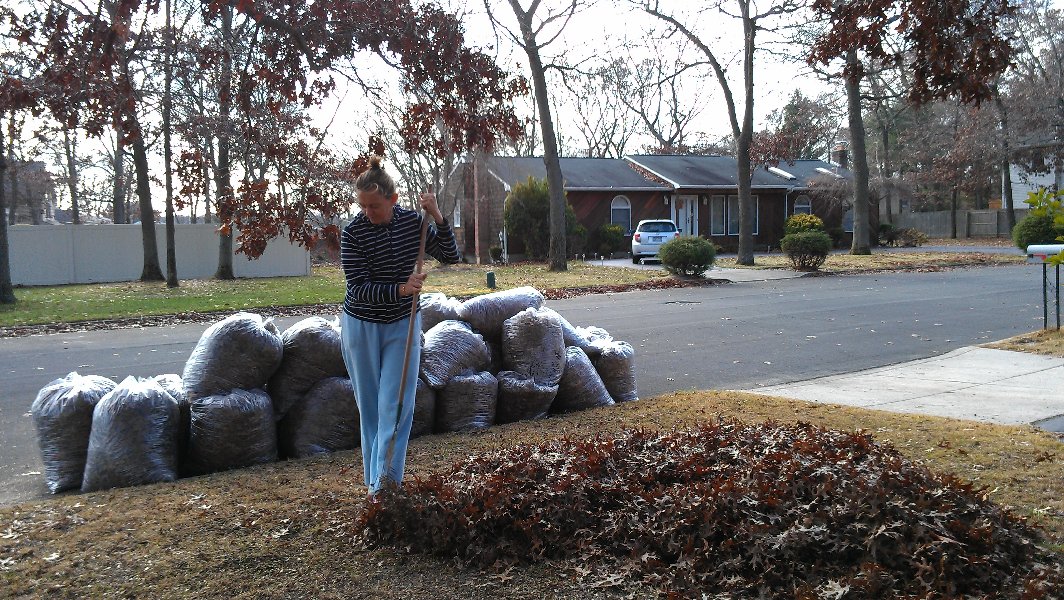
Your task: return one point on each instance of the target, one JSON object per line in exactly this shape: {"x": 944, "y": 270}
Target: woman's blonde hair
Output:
{"x": 375, "y": 179}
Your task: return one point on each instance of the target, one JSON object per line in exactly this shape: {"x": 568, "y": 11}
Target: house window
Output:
{"x": 621, "y": 213}
{"x": 733, "y": 215}
{"x": 847, "y": 220}
{"x": 802, "y": 206}
{"x": 716, "y": 215}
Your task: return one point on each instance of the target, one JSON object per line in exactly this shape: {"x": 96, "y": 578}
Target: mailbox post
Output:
{"x": 1040, "y": 254}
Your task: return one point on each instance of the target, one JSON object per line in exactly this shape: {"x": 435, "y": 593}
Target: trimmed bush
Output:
{"x": 687, "y": 255}
{"x": 1035, "y": 229}
{"x": 807, "y": 250}
{"x": 800, "y": 222}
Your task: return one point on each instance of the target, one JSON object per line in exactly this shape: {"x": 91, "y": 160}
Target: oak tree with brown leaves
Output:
{"x": 298, "y": 48}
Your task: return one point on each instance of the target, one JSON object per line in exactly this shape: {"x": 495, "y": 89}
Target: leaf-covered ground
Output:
{"x": 284, "y": 530}
{"x": 725, "y": 509}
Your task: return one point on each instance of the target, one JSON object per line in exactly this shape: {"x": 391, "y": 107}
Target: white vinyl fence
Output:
{"x": 61, "y": 254}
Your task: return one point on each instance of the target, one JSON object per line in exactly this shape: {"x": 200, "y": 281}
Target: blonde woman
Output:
{"x": 378, "y": 251}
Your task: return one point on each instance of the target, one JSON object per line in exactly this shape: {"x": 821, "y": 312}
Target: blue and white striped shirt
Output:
{"x": 377, "y": 259}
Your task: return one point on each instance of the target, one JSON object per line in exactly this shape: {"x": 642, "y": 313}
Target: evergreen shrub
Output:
{"x": 688, "y": 255}
{"x": 807, "y": 250}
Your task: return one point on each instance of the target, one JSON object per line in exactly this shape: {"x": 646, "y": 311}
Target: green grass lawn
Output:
{"x": 85, "y": 302}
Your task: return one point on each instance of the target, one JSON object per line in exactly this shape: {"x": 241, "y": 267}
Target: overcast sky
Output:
{"x": 601, "y": 31}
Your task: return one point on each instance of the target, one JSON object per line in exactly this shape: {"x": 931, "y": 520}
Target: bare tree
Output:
{"x": 710, "y": 55}
{"x": 604, "y": 125}
{"x": 535, "y": 32}
{"x": 655, "y": 90}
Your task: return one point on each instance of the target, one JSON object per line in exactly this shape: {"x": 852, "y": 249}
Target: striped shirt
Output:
{"x": 377, "y": 259}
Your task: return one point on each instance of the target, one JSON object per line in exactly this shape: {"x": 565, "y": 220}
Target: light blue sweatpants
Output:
{"x": 373, "y": 353}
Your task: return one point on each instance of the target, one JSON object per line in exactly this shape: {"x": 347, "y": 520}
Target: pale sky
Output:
{"x": 596, "y": 32}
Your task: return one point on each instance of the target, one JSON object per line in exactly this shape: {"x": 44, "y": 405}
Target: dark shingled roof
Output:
{"x": 703, "y": 172}
{"x": 806, "y": 170}
{"x": 579, "y": 174}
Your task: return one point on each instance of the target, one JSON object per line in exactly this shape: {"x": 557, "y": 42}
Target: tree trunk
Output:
{"x": 745, "y": 254}
{"x": 70, "y": 148}
{"x": 118, "y": 204}
{"x": 854, "y": 73}
{"x": 7, "y": 292}
{"x": 12, "y": 173}
{"x": 885, "y": 171}
{"x": 223, "y": 186}
{"x": 151, "y": 270}
{"x": 556, "y": 254}
{"x": 168, "y": 76}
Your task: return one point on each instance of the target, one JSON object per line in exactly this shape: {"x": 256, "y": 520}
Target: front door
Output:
{"x": 686, "y": 214}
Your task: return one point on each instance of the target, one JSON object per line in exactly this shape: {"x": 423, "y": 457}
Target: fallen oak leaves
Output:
{"x": 726, "y": 508}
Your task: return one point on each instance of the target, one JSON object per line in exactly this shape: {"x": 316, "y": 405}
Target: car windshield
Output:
{"x": 658, "y": 227}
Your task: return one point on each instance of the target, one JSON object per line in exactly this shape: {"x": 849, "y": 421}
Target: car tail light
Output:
{"x": 676, "y": 235}
{"x": 637, "y": 237}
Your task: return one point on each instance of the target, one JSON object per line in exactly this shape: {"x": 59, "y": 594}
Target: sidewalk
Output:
{"x": 982, "y": 384}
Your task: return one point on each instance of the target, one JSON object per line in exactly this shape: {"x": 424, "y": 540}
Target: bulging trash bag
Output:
{"x": 62, "y": 415}
{"x": 134, "y": 437}
{"x": 436, "y": 307}
{"x": 450, "y": 348}
{"x": 239, "y": 352}
{"x": 424, "y": 410}
{"x": 172, "y": 384}
{"x": 486, "y": 313}
{"x": 597, "y": 339}
{"x": 522, "y": 398}
{"x": 581, "y": 386}
{"x": 574, "y": 336}
{"x": 589, "y": 339}
{"x": 311, "y": 353}
{"x": 617, "y": 369}
{"x": 533, "y": 345}
{"x": 231, "y": 430}
{"x": 324, "y": 420}
{"x": 467, "y": 402}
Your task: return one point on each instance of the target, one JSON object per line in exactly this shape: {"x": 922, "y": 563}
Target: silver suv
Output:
{"x": 649, "y": 235}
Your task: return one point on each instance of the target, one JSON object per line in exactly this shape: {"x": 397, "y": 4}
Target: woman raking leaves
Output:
{"x": 379, "y": 250}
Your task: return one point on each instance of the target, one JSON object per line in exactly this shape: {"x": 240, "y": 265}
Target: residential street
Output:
{"x": 727, "y": 336}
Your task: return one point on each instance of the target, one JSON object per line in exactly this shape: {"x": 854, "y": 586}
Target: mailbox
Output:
{"x": 1039, "y": 253}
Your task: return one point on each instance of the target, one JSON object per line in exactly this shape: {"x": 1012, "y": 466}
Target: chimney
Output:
{"x": 840, "y": 154}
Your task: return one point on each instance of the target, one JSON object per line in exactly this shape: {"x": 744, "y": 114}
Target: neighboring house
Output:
{"x": 1024, "y": 182}
{"x": 32, "y": 201}
{"x": 700, "y": 193}
{"x": 705, "y": 194}
{"x": 600, "y": 190}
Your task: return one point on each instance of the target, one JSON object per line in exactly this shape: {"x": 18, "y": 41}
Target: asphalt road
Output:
{"x": 728, "y": 336}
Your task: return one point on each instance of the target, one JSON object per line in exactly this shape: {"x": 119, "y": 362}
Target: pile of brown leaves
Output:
{"x": 758, "y": 510}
